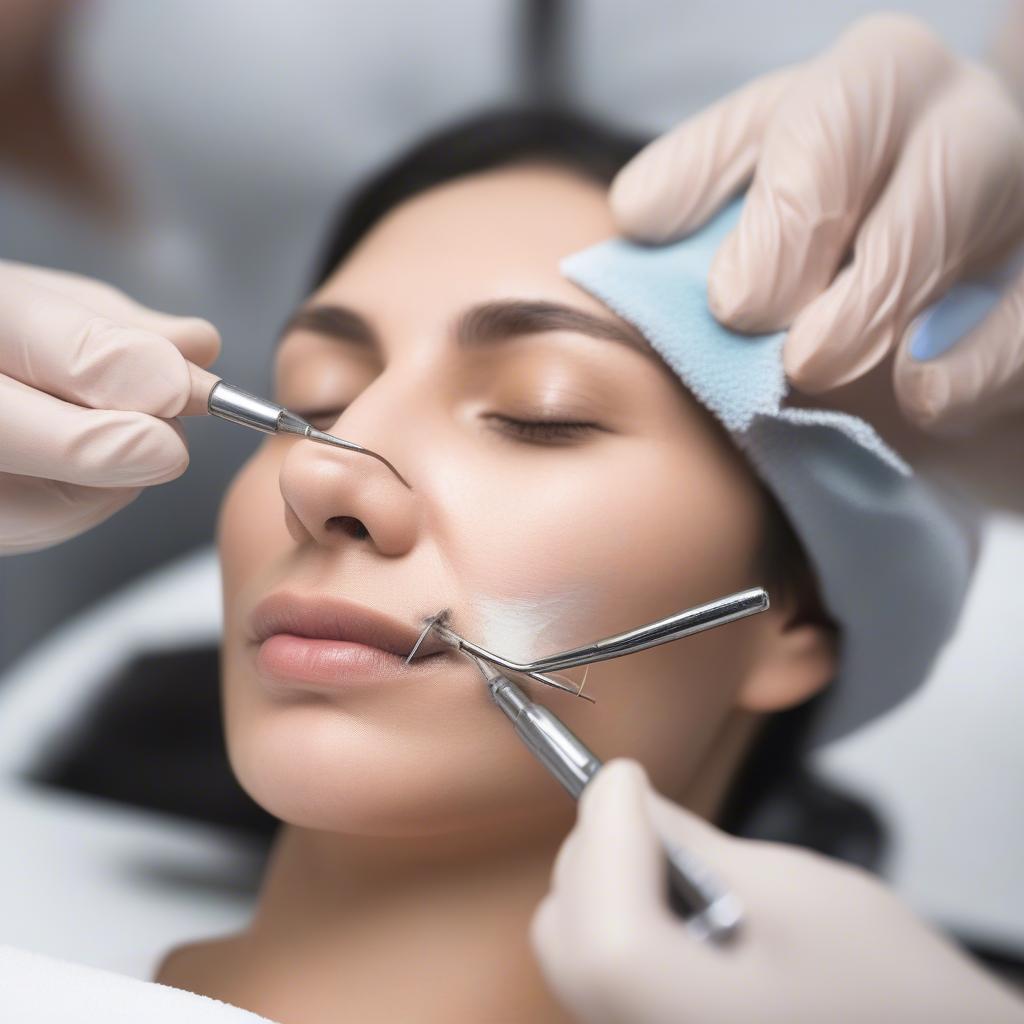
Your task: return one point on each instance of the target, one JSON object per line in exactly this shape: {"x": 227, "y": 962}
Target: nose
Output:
{"x": 334, "y": 497}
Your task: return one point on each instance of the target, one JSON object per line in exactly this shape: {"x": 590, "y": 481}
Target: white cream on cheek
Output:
{"x": 526, "y": 627}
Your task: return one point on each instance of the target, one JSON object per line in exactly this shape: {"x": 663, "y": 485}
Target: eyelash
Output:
{"x": 314, "y": 414}
{"x": 542, "y": 431}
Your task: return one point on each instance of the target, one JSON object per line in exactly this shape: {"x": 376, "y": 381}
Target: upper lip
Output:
{"x": 329, "y": 617}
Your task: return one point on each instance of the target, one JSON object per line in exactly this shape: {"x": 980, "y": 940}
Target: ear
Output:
{"x": 794, "y": 660}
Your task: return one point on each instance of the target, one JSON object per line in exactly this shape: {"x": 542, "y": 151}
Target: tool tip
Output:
{"x": 430, "y": 624}
{"x": 325, "y": 438}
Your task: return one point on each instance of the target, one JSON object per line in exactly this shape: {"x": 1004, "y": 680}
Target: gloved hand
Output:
{"x": 887, "y": 146}
{"x": 89, "y": 384}
{"x": 821, "y": 941}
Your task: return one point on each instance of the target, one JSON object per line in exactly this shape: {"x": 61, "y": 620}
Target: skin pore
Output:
{"x": 418, "y": 834}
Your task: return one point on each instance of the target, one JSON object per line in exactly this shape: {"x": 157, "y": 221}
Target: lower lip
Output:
{"x": 331, "y": 664}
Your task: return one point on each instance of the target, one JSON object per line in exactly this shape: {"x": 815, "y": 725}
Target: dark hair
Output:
{"x": 773, "y": 795}
{"x": 484, "y": 142}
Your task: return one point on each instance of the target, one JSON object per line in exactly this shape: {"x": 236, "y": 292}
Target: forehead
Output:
{"x": 495, "y": 235}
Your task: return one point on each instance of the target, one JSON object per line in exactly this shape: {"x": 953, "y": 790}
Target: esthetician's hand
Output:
{"x": 891, "y": 150}
{"x": 89, "y": 384}
{"x": 821, "y": 941}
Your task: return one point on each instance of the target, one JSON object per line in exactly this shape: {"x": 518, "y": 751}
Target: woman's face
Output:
{"x": 444, "y": 331}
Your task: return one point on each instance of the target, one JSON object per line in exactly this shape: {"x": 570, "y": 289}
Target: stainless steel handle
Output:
{"x": 557, "y": 748}
{"x": 674, "y": 627}
{"x": 694, "y": 892}
{"x": 238, "y": 406}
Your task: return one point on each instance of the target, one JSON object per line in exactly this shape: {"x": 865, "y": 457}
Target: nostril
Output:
{"x": 348, "y": 525}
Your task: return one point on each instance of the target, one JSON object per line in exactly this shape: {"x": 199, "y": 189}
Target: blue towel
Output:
{"x": 893, "y": 556}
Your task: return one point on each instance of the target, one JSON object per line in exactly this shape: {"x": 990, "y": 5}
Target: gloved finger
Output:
{"x": 605, "y": 940}
{"x": 617, "y": 873}
{"x": 57, "y": 345}
{"x": 566, "y": 974}
{"x": 46, "y": 437}
{"x": 673, "y": 824}
{"x": 975, "y": 379}
{"x": 202, "y": 383}
{"x": 545, "y": 930}
{"x": 954, "y": 202}
{"x": 564, "y": 860}
{"x": 824, "y": 155}
{"x": 674, "y": 184}
{"x": 683, "y": 828}
{"x": 590, "y": 931}
{"x": 197, "y": 339}
{"x": 37, "y": 513}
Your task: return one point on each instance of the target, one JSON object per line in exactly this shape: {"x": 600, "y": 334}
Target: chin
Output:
{"x": 323, "y": 767}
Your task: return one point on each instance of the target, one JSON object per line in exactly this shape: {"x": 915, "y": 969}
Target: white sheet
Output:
{"x": 36, "y": 989}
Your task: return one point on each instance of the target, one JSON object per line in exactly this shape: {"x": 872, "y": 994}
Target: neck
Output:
{"x": 407, "y": 928}
{"x": 426, "y": 927}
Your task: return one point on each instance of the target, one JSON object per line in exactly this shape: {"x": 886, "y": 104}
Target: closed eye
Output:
{"x": 535, "y": 431}
{"x": 542, "y": 431}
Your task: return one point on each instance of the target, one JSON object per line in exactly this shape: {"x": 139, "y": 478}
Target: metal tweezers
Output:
{"x": 674, "y": 627}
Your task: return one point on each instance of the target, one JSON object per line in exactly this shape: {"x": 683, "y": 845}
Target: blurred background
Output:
{"x": 190, "y": 153}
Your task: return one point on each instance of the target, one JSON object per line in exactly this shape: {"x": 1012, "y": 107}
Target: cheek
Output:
{"x": 586, "y": 553}
{"x": 250, "y": 523}
{"x": 598, "y": 545}
{"x": 251, "y": 536}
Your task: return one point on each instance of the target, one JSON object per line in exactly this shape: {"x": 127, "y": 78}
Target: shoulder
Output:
{"x": 198, "y": 967}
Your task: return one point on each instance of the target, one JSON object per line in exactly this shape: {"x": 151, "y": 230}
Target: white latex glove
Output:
{"x": 821, "y": 941}
{"x": 89, "y": 384}
{"x": 889, "y": 148}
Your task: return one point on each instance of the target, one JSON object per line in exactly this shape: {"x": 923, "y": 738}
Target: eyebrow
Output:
{"x": 333, "y": 321}
{"x": 485, "y": 324}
